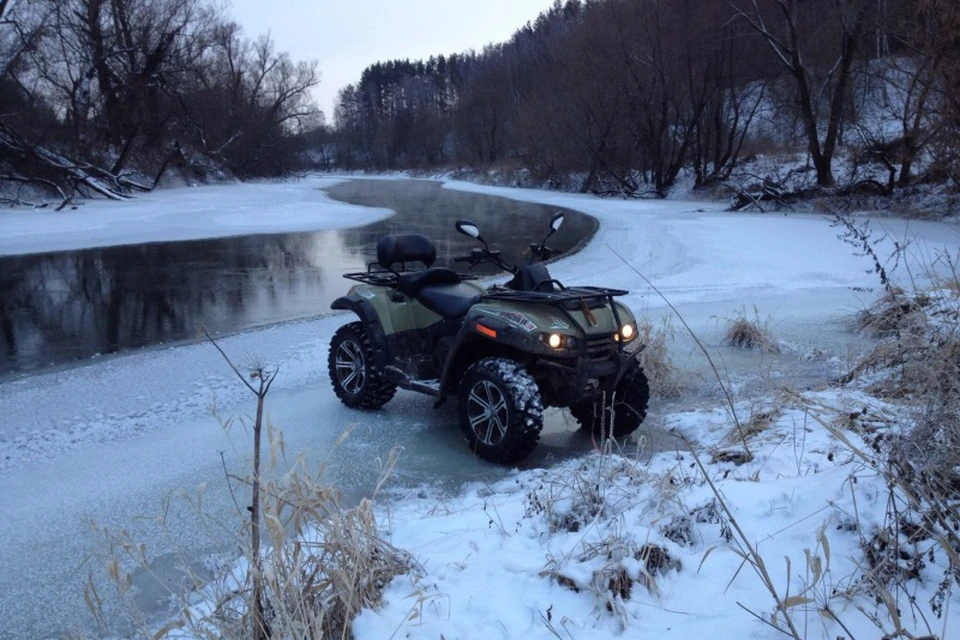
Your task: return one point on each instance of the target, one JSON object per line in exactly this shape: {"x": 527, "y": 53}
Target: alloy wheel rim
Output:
{"x": 351, "y": 372}
{"x": 487, "y": 412}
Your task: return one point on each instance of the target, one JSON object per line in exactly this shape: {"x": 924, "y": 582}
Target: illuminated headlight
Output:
{"x": 628, "y": 332}
{"x": 558, "y": 341}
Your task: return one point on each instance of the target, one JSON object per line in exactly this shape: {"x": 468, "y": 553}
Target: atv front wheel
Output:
{"x": 353, "y": 371}
{"x": 629, "y": 407}
{"x": 500, "y": 410}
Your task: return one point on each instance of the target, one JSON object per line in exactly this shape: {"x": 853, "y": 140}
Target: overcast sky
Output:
{"x": 346, "y": 36}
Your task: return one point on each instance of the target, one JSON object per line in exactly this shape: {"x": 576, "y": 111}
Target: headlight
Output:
{"x": 628, "y": 332}
{"x": 558, "y": 341}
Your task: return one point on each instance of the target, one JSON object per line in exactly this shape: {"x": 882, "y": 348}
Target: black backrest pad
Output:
{"x": 531, "y": 277}
{"x": 411, "y": 247}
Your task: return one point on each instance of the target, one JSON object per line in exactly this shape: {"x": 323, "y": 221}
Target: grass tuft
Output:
{"x": 744, "y": 333}
{"x": 893, "y": 314}
{"x": 655, "y": 358}
{"x": 325, "y": 564}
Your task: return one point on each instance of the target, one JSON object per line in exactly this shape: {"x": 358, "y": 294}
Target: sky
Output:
{"x": 346, "y": 36}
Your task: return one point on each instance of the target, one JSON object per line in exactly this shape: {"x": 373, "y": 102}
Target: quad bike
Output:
{"x": 505, "y": 352}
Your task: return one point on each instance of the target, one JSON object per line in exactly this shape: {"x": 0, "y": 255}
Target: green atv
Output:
{"x": 506, "y": 352}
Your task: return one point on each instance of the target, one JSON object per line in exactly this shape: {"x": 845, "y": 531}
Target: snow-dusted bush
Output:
{"x": 917, "y": 361}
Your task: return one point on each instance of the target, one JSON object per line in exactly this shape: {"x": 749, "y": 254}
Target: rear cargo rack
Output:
{"x": 388, "y": 278}
{"x": 375, "y": 278}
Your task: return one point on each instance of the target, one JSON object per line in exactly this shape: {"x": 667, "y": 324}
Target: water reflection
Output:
{"x": 57, "y": 308}
{"x": 427, "y": 208}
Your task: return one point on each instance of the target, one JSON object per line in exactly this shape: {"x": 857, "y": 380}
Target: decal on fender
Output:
{"x": 515, "y": 318}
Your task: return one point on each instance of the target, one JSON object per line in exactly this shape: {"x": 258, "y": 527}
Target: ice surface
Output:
{"x": 187, "y": 213}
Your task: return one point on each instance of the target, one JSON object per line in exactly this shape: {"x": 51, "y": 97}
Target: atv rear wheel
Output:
{"x": 500, "y": 411}
{"x": 353, "y": 372}
{"x": 629, "y": 407}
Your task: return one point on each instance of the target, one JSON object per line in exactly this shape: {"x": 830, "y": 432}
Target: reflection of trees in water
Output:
{"x": 70, "y": 304}
{"x": 8, "y": 306}
{"x": 63, "y": 306}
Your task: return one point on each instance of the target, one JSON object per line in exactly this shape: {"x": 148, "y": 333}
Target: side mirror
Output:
{"x": 556, "y": 221}
{"x": 468, "y": 228}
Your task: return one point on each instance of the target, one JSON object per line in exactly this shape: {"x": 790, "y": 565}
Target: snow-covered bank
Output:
{"x": 694, "y": 251}
{"x": 186, "y": 213}
{"x": 611, "y": 547}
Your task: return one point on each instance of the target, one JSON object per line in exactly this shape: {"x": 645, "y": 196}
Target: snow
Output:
{"x": 182, "y": 214}
{"x": 112, "y": 438}
{"x": 497, "y": 563}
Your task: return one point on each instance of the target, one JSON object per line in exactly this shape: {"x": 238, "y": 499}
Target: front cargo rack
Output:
{"x": 559, "y": 296}
{"x": 567, "y": 300}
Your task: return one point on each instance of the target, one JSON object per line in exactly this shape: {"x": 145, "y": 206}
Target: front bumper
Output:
{"x": 585, "y": 379}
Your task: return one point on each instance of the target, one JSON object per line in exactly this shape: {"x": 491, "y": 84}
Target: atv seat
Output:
{"x": 411, "y": 283}
{"x": 449, "y": 300}
{"x": 438, "y": 288}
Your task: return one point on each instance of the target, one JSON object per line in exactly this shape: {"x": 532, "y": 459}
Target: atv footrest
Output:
{"x": 401, "y": 379}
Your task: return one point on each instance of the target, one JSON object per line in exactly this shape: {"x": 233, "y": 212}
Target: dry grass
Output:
{"x": 609, "y": 561}
{"x": 682, "y": 528}
{"x": 655, "y": 358}
{"x": 892, "y": 314}
{"x": 760, "y": 421}
{"x": 334, "y": 564}
{"x": 737, "y": 457}
{"x": 952, "y": 285}
{"x": 919, "y": 533}
{"x": 591, "y": 492}
{"x": 745, "y": 333}
{"x": 324, "y": 565}
{"x": 626, "y": 564}
{"x": 568, "y": 506}
{"x": 918, "y": 356}
{"x": 917, "y": 361}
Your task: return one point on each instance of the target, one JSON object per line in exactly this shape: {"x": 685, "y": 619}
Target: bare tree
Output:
{"x": 734, "y": 93}
{"x": 779, "y": 23}
{"x": 95, "y": 95}
{"x": 939, "y": 32}
{"x": 262, "y": 379}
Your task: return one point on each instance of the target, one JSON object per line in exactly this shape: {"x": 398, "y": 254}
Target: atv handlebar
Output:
{"x": 543, "y": 252}
{"x": 479, "y": 256}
